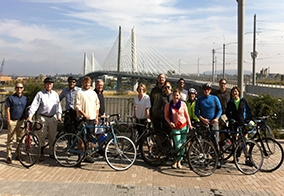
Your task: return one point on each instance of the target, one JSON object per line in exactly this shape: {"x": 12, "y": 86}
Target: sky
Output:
{"x": 51, "y": 36}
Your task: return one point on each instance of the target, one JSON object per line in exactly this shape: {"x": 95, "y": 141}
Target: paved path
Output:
{"x": 48, "y": 178}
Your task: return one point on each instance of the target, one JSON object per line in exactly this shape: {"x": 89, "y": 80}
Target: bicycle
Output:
{"x": 201, "y": 154}
{"x": 263, "y": 127}
{"x": 271, "y": 149}
{"x": 71, "y": 148}
{"x": 248, "y": 156}
{"x": 1, "y": 117}
{"x": 29, "y": 144}
{"x": 128, "y": 128}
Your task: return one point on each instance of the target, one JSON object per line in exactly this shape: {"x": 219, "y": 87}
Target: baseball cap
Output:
{"x": 48, "y": 80}
{"x": 206, "y": 85}
{"x": 71, "y": 78}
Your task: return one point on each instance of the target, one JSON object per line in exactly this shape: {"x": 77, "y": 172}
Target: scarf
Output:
{"x": 175, "y": 107}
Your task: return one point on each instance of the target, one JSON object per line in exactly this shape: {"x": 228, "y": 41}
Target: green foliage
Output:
{"x": 31, "y": 89}
{"x": 266, "y": 105}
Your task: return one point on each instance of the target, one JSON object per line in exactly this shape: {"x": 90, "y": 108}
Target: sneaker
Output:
{"x": 151, "y": 156}
{"x": 249, "y": 163}
{"x": 9, "y": 160}
{"x": 89, "y": 159}
{"x": 138, "y": 155}
{"x": 218, "y": 165}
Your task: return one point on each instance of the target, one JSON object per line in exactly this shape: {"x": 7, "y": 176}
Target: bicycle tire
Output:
{"x": 29, "y": 149}
{"x": 248, "y": 157}
{"x": 127, "y": 131}
{"x": 272, "y": 155}
{"x": 120, "y": 153}
{"x": 154, "y": 148}
{"x": 228, "y": 151}
{"x": 202, "y": 157}
{"x": 267, "y": 132}
{"x": 1, "y": 122}
{"x": 69, "y": 149}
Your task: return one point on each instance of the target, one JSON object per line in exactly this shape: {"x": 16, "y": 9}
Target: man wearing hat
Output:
{"x": 46, "y": 103}
{"x": 69, "y": 95}
{"x": 208, "y": 109}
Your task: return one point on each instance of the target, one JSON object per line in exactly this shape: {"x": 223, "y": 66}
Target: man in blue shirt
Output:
{"x": 69, "y": 95}
{"x": 16, "y": 105}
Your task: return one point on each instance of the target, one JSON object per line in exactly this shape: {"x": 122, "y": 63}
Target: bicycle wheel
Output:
{"x": 126, "y": 131}
{"x": 272, "y": 155}
{"x": 69, "y": 149}
{"x": 29, "y": 149}
{"x": 120, "y": 153}
{"x": 267, "y": 132}
{"x": 227, "y": 149}
{"x": 202, "y": 157}
{"x": 1, "y": 122}
{"x": 154, "y": 148}
{"x": 248, "y": 157}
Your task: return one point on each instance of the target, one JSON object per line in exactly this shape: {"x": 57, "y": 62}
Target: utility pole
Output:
{"x": 254, "y": 53}
{"x": 241, "y": 27}
{"x": 224, "y": 60}
{"x": 213, "y": 59}
{"x": 198, "y": 67}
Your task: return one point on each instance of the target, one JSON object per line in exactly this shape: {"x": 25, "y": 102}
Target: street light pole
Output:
{"x": 224, "y": 61}
{"x": 241, "y": 27}
{"x": 213, "y": 59}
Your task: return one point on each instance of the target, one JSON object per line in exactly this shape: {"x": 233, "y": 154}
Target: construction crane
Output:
{"x": 2, "y": 67}
{"x": 1, "y": 70}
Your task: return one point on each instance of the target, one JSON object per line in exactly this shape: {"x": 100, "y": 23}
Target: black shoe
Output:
{"x": 89, "y": 159}
{"x": 249, "y": 163}
{"x": 9, "y": 160}
{"x": 219, "y": 165}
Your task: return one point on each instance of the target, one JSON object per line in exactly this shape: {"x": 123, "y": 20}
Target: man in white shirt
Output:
{"x": 46, "y": 103}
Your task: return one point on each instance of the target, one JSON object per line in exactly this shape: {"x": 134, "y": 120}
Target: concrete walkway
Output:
{"x": 48, "y": 178}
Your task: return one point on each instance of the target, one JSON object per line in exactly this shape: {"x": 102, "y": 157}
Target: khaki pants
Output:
{"x": 50, "y": 128}
{"x": 14, "y": 127}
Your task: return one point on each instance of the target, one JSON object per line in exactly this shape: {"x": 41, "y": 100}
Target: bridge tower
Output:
{"x": 119, "y": 61}
{"x": 134, "y": 81}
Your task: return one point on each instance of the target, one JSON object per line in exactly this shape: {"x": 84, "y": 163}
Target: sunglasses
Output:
{"x": 168, "y": 87}
{"x": 19, "y": 87}
{"x": 72, "y": 82}
{"x": 224, "y": 83}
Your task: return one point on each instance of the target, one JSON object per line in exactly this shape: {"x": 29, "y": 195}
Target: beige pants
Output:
{"x": 50, "y": 128}
{"x": 14, "y": 127}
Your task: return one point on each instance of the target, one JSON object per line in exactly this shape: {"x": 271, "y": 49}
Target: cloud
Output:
{"x": 55, "y": 36}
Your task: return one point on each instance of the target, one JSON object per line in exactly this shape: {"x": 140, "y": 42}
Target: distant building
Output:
{"x": 5, "y": 79}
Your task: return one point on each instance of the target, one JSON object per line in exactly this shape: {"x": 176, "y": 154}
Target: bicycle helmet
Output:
{"x": 206, "y": 85}
{"x": 250, "y": 126}
{"x": 192, "y": 91}
{"x": 71, "y": 78}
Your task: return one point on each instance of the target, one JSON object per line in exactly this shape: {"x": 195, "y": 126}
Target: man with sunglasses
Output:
{"x": 69, "y": 95}
{"x": 16, "y": 106}
{"x": 224, "y": 96}
{"x": 208, "y": 109}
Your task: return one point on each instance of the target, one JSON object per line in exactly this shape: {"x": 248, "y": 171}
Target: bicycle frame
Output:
{"x": 100, "y": 145}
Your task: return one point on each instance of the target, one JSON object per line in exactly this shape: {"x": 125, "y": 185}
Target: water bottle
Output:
{"x": 102, "y": 138}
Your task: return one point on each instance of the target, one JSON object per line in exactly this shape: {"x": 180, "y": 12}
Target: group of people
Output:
{"x": 80, "y": 102}
{"x": 172, "y": 111}
{"x": 175, "y": 110}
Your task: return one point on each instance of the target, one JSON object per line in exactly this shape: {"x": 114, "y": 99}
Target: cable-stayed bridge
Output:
{"x": 132, "y": 57}
{"x": 136, "y": 59}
